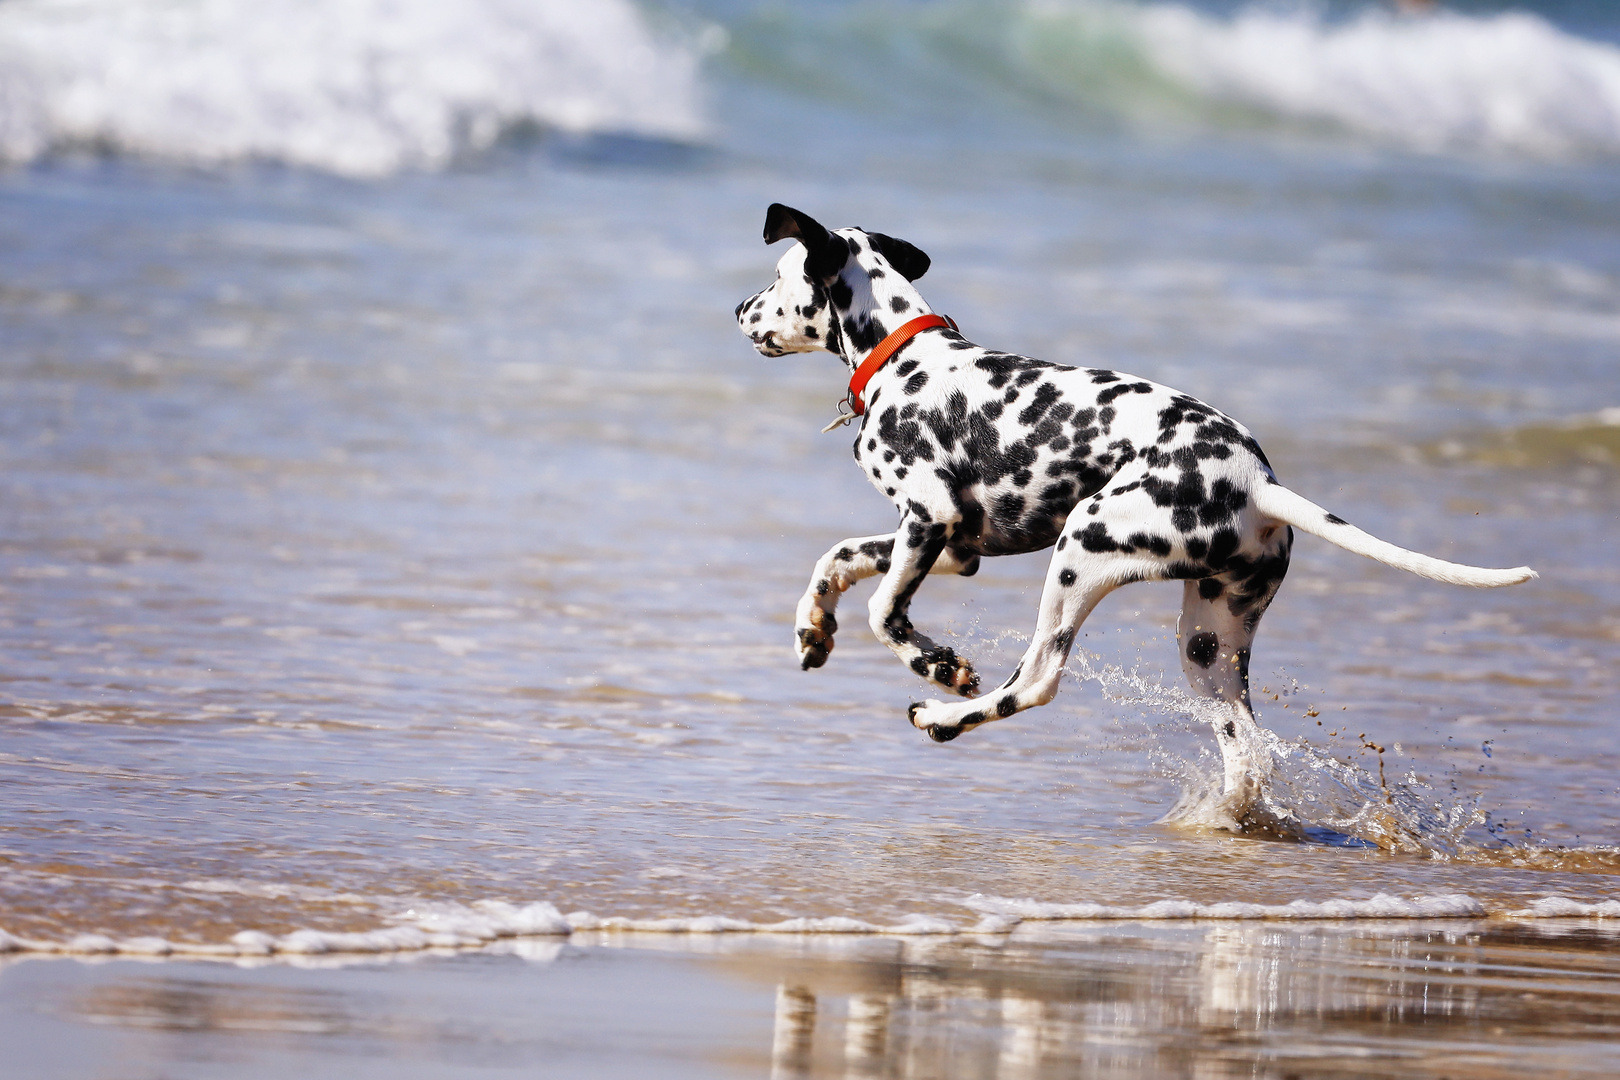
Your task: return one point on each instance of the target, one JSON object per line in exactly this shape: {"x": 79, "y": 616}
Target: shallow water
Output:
{"x": 371, "y": 551}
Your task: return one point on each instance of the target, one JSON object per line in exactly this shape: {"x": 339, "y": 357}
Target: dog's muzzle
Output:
{"x": 765, "y": 344}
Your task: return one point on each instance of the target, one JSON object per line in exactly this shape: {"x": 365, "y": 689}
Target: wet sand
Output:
{"x": 1443, "y": 998}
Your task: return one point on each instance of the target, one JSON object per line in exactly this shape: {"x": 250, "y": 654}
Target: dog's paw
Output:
{"x": 934, "y": 719}
{"x": 941, "y": 665}
{"x": 816, "y": 640}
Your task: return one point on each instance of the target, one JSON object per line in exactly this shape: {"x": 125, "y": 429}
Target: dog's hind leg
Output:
{"x": 837, "y": 571}
{"x": 918, "y": 546}
{"x": 1075, "y": 582}
{"x": 1219, "y": 616}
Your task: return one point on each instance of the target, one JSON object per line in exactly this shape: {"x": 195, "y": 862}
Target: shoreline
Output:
{"x": 1418, "y": 998}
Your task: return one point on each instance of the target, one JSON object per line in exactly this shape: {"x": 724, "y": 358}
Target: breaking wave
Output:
{"x": 355, "y": 87}
{"x": 1508, "y": 83}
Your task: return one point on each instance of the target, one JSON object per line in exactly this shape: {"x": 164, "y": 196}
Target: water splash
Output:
{"x": 1310, "y": 795}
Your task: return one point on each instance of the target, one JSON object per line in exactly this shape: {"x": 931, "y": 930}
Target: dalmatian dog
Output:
{"x": 986, "y": 453}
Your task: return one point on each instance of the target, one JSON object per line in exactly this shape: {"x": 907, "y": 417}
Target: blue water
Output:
{"x": 429, "y": 536}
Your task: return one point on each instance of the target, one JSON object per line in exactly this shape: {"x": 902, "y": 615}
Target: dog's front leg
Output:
{"x": 837, "y": 572}
{"x": 918, "y": 545}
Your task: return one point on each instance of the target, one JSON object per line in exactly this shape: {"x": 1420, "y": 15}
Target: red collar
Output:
{"x": 887, "y": 348}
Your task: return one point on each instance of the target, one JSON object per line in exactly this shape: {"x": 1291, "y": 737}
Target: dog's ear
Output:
{"x": 782, "y": 222}
{"x": 825, "y": 253}
{"x": 910, "y": 260}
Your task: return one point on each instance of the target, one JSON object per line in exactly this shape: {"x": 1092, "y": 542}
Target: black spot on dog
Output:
{"x": 904, "y": 435}
{"x": 1210, "y": 588}
{"x": 917, "y": 382}
{"x": 1062, "y": 640}
{"x": 1333, "y": 519}
{"x": 1202, "y": 648}
{"x": 1158, "y": 545}
{"x": 1007, "y": 705}
{"x": 1045, "y": 395}
{"x": 1225, "y": 501}
{"x": 1230, "y": 729}
{"x": 864, "y": 334}
{"x": 899, "y": 304}
{"x": 1007, "y": 510}
{"x": 1222, "y": 546}
{"x": 1094, "y": 537}
{"x": 1066, "y": 578}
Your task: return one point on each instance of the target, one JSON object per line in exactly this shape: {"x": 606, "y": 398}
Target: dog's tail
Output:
{"x": 1276, "y": 501}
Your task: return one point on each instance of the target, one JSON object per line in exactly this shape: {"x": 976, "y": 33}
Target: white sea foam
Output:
{"x": 1381, "y": 906}
{"x": 1508, "y": 82}
{"x": 358, "y": 87}
{"x": 1558, "y": 907}
{"x": 457, "y": 926}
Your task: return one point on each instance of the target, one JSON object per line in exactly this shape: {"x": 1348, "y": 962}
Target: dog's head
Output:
{"x": 830, "y": 287}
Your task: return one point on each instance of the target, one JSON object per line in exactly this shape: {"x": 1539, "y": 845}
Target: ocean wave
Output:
{"x": 355, "y": 87}
{"x": 1508, "y": 83}
{"x": 463, "y": 926}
